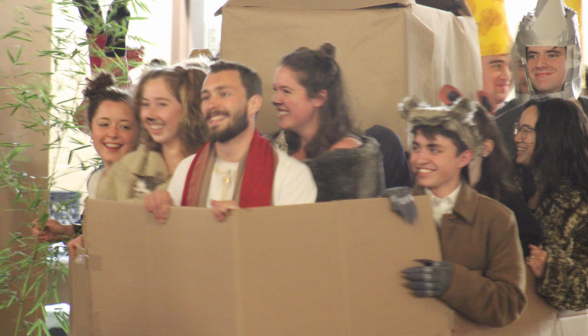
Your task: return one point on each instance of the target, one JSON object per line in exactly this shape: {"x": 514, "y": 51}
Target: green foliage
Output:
{"x": 27, "y": 264}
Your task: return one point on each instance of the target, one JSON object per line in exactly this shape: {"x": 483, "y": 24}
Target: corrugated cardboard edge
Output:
{"x": 315, "y": 5}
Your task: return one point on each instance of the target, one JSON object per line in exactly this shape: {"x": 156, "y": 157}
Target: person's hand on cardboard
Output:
{"x": 536, "y": 260}
{"x": 53, "y": 231}
{"x": 158, "y": 203}
{"x": 221, "y": 209}
{"x": 432, "y": 279}
{"x": 73, "y": 244}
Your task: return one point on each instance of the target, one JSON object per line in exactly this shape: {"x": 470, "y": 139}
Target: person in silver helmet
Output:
{"x": 519, "y": 76}
{"x": 548, "y": 42}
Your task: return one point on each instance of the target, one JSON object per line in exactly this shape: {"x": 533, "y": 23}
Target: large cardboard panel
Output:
{"x": 385, "y": 54}
{"x": 319, "y": 269}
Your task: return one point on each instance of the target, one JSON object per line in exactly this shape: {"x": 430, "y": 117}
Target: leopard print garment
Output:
{"x": 564, "y": 217}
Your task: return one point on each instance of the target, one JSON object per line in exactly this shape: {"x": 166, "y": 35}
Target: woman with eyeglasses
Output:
{"x": 551, "y": 140}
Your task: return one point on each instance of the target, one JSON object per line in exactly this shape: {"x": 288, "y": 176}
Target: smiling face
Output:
{"x": 436, "y": 164}
{"x": 296, "y": 111}
{"x": 161, "y": 112}
{"x": 497, "y": 77}
{"x": 526, "y": 137}
{"x": 547, "y": 68}
{"x": 114, "y": 131}
{"x": 225, "y": 105}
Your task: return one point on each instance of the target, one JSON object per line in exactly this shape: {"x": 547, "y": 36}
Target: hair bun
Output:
{"x": 99, "y": 83}
{"x": 328, "y": 50}
{"x": 302, "y": 49}
{"x": 157, "y": 62}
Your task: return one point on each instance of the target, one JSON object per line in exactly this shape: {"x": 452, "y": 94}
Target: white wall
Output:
{"x": 206, "y": 28}
{"x": 157, "y": 29}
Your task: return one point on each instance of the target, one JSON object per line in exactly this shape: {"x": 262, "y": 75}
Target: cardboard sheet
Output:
{"x": 385, "y": 54}
{"x": 319, "y": 269}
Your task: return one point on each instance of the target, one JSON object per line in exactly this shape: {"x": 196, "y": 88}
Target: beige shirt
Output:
{"x": 442, "y": 206}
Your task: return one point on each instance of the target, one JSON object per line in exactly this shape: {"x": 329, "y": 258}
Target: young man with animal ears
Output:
{"x": 237, "y": 168}
{"x": 482, "y": 274}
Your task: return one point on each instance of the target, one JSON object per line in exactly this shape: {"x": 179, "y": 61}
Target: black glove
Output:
{"x": 402, "y": 203}
{"x": 433, "y": 279}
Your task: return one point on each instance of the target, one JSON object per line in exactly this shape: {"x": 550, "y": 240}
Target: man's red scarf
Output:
{"x": 254, "y": 182}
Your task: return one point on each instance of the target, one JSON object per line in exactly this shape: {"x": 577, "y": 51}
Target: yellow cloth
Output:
{"x": 577, "y": 6}
{"x": 493, "y": 33}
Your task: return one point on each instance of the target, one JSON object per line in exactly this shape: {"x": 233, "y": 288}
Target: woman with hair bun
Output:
{"x": 167, "y": 101}
{"x": 114, "y": 132}
{"x": 318, "y": 129}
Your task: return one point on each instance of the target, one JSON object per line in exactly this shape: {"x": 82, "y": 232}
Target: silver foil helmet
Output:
{"x": 516, "y": 65}
{"x": 553, "y": 24}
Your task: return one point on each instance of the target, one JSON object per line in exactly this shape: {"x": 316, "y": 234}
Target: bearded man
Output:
{"x": 237, "y": 168}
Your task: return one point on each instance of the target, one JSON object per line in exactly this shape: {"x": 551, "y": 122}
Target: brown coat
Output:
{"x": 481, "y": 239}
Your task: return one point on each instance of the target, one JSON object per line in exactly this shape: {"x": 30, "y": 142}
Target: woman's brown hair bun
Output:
{"x": 328, "y": 50}
{"x": 98, "y": 84}
{"x": 102, "y": 88}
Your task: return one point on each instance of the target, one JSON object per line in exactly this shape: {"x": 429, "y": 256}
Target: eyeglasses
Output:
{"x": 525, "y": 130}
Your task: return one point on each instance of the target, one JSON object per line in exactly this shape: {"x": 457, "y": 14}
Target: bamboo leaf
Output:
{"x": 10, "y": 34}
{"x": 17, "y": 198}
{"x": 22, "y": 38}
{"x": 10, "y": 56}
{"x": 19, "y": 52}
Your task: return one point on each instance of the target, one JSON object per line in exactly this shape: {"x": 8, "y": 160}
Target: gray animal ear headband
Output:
{"x": 553, "y": 24}
{"x": 458, "y": 118}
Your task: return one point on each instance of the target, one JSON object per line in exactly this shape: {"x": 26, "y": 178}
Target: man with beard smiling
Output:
{"x": 237, "y": 168}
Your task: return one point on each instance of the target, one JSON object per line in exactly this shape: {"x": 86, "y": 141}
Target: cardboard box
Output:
{"x": 387, "y": 50}
{"x": 318, "y": 269}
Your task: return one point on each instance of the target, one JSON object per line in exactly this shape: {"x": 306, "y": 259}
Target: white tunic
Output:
{"x": 293, "y": 181}
{"x": 93, "y": 183}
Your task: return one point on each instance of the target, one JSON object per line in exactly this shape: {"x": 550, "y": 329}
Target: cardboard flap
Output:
{"x": 311, "y": 4}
